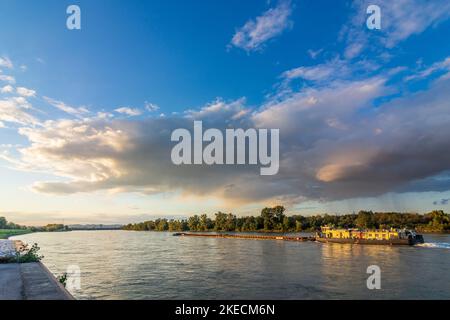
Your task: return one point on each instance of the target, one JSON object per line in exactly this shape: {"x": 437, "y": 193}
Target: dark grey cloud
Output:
{"x": 441, "y": 202}
{"x": 334, "y": 144}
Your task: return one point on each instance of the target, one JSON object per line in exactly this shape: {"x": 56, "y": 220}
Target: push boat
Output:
{"x": 375, "y": 237}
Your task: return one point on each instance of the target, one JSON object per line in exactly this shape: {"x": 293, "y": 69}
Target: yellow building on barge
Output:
{"x": 357, "y": 236}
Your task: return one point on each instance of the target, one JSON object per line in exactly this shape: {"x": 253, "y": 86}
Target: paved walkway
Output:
{"x": 10, "y": 282}
{"x": 27, "y": 281}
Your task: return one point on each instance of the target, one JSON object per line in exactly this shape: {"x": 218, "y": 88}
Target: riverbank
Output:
{"x": 6, "y": 233}
{"x": 27, "y": 281}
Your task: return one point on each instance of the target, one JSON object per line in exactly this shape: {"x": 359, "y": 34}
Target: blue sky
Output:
{"x": 82, "y": 109}
{"x": 148, "y": 48}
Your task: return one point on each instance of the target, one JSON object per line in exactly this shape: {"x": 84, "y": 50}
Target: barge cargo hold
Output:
{"x": 244, "y": 236}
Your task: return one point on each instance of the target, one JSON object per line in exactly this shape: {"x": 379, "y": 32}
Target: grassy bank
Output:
{"x": 6, "y": 233}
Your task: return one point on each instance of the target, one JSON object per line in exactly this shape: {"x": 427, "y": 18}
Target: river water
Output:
{"x": 156, "y": 265}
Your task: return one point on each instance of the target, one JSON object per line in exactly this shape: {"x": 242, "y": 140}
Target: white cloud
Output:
{"x": 220, "y": 111}
{"x": 132, "y": 112}
{"x": 404, "y": 18}
{"x": 6, "y": 62}
{"x": 443, "y": 65}
{"x": 354, "y": 49}
{"x": 269, "y": 25}
{"x": 23, "y": 102}
{"x": 400, "y": 20}
{"x": 326, "y": 73}
{"x": 14, "y": 110}
{"x": 25, "y": 92}
{"x": 151, "y": 107}
{"x": 311, "y": 108}
{"x": 66, "y": 108}
{"x": 7, "y": 89}
{"x": 314, "y": 53}
{"x": 6, "y": 78}
{"x": 104, "y": 115}
{"x": 320, "y": 72}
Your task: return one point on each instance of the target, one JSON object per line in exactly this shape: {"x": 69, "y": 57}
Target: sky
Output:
{"x": 86, "y": 115}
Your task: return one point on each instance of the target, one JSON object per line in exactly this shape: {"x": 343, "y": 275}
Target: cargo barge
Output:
{"x": 330, "y": 235}
{"x": 372, "y": 237}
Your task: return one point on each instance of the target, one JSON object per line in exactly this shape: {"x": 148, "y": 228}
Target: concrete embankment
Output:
{"x": 29, "y": 281}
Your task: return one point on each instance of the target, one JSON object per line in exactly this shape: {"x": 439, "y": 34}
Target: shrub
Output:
{"x": 62, "y": 278}
{"x": 27, "y": 255}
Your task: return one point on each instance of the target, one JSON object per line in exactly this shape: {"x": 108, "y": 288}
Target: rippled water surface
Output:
{"x": 152, "y": 265}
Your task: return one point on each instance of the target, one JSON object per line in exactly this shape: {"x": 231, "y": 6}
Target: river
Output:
{"x": 156, "y": 265}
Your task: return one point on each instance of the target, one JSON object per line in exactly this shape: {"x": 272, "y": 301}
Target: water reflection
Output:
{"x": 343, "y": 264}
{"x": 151, "y": 265}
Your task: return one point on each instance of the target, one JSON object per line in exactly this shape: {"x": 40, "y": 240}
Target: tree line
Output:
{"x": 5, "y": 224}
{"x": 275, "y": 220}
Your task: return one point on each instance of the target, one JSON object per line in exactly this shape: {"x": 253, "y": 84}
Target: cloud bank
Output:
{"x": 346, "y": 128}
{"x": 334, "y": 145}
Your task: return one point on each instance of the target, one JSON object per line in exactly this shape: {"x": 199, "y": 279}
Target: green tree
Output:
{"x": 273, "y": 218}
{"x": 439, "y": 221}
{"x": 162, "y": 225}
{"x": 230, "y": 223}
{"x": 288, "y": 223}
{"x": 249, "y": 224}
{"x": 174, "y": 225}
{"x": 205, "y": 223}
{"x": 3, "y": 223}
{"x": 365, "y": 220}
{"x": 194, "y": 223}
{"x": 220, "y": 222}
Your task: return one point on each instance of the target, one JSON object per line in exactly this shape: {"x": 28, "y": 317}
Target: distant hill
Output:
{"x": 95, "y": 226}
